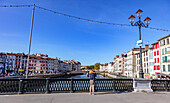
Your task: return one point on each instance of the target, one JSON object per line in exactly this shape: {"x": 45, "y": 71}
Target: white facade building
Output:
{"x": 131, "y": 62}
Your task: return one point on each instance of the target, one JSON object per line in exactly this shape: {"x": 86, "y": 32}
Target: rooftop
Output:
{"x": 164, "y": 37}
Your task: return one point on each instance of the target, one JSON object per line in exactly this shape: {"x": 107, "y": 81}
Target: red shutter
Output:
{"x": 158, "y": 52}
{"x": 155, "y": 53}
{"x": 154, "y": 67}
{"x": 158, "y": 60}
{"x": 156, "y": 46}
{"x": 155, "y": 60}
{"x": 158, "y": 67}
{"x": 153, "y": 46}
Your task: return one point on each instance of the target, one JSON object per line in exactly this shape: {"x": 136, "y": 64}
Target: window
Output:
{"x": 125, "y": 69}
{"x": 151, "y": 55}
{"x": 168, "y": 41}
{"x": 163, "y": 42}
{"x": 168, "y": 50}
{"x": 168, "y": 68}
{"x": 165, "y": 50}
{"x": 163, "y": 67}
{"x": 162, "y": 51}
{"x": 168, "y": 58}
{"x": 153, "y": 46}
{"x": 165, "y": 58}
{"x": 158, "y": 52}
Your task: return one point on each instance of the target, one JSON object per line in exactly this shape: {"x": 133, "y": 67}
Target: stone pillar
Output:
{"x": 142, "y": 85}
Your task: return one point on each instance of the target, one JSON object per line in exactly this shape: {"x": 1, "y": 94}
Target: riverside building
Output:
{"x": 39, "y": 63}
{"x": 164, "y": 45}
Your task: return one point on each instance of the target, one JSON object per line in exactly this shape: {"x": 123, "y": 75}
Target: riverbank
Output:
{"x": 58, "y": 75}
{"x": 107, "y": 75}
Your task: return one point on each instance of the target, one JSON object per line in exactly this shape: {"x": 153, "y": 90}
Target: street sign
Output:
{"x": 139, "y": 43}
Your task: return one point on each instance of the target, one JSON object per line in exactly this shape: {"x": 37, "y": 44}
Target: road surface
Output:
{"x": 105, "y": 97}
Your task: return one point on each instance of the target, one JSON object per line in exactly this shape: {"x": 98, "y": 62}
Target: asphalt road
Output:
{"x": 163, "y": 97}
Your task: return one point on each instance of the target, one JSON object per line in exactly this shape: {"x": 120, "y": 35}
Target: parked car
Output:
{"x": 2, "y": 75}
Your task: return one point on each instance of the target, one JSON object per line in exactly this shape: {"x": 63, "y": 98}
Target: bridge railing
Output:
{"x": 53, "y": 85}
{"x": 71, "y": 85}
{"x": 160, "y": 85}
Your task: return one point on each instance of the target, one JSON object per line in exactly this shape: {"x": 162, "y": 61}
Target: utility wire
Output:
{"x": 80, "y": 18}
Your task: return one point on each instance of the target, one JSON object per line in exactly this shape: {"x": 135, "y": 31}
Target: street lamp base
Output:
{"x": 141, "y": 75}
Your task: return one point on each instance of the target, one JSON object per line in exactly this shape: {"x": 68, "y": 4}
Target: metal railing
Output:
{"x": 160, "y": 85}
{"x": 54, "y": 85}
{"x": 71, "y": 85}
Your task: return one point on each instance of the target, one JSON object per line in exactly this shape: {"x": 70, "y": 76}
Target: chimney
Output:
{"x": 146, "y": 46}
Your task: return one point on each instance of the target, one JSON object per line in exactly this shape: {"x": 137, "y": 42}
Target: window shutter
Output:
{"x": 155, "y": 60}
{"x": 158, "y": 60}
{"x": 165, "y": 58}
{"x": 168, "y": 67}
{"x": 165, "y": 50}
{"x": 157, "y": 52}
{"x": 154, "y": 67}
{"x": 162, "y": 51}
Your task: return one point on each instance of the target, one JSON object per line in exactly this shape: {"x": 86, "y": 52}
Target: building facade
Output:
{"x": 131, "y": 62}
{"x": 39, "y": 63}
{"x": 164, "y": 47}
{"x": 145, "y": 62}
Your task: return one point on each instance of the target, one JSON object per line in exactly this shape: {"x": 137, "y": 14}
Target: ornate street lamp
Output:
{"x": 140, "y": 24}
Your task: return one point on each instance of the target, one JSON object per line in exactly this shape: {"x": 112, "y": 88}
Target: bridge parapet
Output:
{"x": 71, "y": 85}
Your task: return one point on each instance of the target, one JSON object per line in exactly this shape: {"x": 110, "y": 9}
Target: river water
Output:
{"x": 85, "y": 76}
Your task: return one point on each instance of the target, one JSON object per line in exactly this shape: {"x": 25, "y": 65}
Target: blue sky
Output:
{"x": 68, "y": 38}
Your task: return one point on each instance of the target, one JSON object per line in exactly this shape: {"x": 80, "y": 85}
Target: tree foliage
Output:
{"x": 90, "y": 67}
{"x": 97, "y": 66}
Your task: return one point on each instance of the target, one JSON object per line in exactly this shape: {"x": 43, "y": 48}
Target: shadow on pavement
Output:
{"x": 110, "y": 93}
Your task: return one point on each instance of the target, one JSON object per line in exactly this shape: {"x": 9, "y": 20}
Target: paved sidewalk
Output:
{"x": 86, "y": 98}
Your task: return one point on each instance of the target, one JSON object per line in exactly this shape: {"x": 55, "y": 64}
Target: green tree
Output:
{"x": 97, "y": 66}
{"x": 90, "y": 67}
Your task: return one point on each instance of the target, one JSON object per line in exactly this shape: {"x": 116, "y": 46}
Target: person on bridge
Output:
{"x": 92, "y": 81}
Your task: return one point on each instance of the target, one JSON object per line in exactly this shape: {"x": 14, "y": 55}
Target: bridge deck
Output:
{"x": 86, "y": 98}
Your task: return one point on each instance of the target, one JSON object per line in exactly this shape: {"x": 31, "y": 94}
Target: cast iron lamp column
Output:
{"x": 140, "y": 24}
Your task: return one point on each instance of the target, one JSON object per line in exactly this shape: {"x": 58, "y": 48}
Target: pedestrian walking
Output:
{"x": 92, "y": 82}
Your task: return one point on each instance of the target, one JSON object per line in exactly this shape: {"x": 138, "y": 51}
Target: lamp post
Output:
{"x": 140, "y": 24}
{"x": 30, "y": 41}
